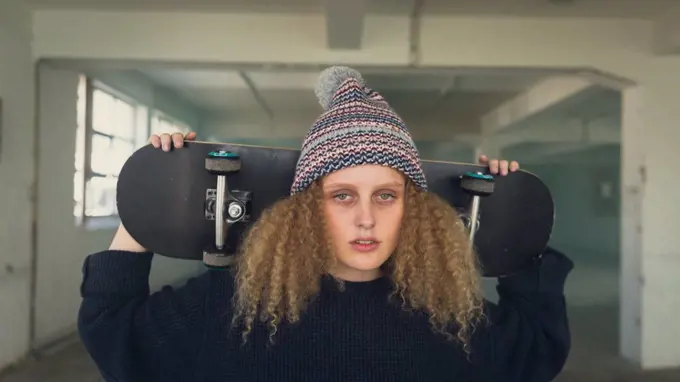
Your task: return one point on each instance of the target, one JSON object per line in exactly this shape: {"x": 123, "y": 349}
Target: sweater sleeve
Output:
{"x": 133, "y": 335}
{"x": 526, "y": 336}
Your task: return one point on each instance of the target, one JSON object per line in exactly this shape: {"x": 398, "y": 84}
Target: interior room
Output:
{"x": 592, "y": 116}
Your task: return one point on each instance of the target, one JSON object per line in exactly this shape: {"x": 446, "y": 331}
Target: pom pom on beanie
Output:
{"x": 330, "y": 81}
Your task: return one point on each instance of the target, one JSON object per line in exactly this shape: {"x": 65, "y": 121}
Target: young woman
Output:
{"x": 360, "y": 275}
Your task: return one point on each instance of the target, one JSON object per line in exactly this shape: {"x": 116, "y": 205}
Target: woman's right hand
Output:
{"x": 165, "y": 140}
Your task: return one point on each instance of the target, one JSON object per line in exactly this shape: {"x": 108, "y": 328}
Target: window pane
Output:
{"x": 125, "y": 120}
{"x": 142, "y": 124}
{"x": 100, "y": 153}
{"x": 101, "y": 197}
{"x": 103, "y": 107}
{"x": 109, "y": 155}
{"x": 120, "y": 152}
{"x": 112, "y": 116}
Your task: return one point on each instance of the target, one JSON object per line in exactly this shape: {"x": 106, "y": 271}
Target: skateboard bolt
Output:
{"x": 235, "y": 210}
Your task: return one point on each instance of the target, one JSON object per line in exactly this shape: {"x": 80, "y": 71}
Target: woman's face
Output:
{"x": 364, "y": 206}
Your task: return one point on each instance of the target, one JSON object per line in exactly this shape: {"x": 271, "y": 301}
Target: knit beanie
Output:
{"x": 358, "y": 127}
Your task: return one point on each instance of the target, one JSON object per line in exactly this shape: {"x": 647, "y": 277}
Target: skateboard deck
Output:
{"x": 166, "y": 201}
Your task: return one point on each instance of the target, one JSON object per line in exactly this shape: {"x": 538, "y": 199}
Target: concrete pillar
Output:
{"x": 17, "y": 187}
{"x": 650, "y": 219}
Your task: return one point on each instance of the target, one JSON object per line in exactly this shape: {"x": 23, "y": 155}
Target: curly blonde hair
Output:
{"x": 286, "y": 252}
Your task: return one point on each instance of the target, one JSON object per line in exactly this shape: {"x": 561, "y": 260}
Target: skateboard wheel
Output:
{"x": 477, "y": 183}
{"x": 217, "y": 260}
{"x": 222, "y": 162}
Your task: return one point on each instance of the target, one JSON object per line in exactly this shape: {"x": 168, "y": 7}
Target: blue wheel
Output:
{"x": 478, "y": 175}
{"x": 223, "y": 154}
{"x": 222, "y": 162}
{"x": 477, "y": 184}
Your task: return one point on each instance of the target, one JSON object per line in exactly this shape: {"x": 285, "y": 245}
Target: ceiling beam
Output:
{"x": 561, "y": 152}
{"x": 344, "y": 23}
{"x": 538, "y": 99}
{"x": 560, "y": 137}
{"x": 598, "y": 131}
{"x": 257, "y": 95}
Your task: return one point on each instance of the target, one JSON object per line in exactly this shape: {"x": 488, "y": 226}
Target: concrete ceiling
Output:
{"x": 345, "y": 19}
{"x": 411, "y": 92}
{"x": 560, "y": 8}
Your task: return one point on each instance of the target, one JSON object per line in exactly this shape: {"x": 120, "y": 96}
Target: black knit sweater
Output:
{"x": 184, "y": 334}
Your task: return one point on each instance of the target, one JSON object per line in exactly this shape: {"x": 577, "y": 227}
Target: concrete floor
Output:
{"x": 593, "y": 357}
{"x": 68, "y": 363}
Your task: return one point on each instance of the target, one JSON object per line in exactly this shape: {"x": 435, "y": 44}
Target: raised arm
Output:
{"x": 527, "y": 337}
{"x": 133, "y": 335}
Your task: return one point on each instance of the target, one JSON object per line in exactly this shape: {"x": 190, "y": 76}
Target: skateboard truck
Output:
{"x": 223, "y": 206}
{"x": 478, "y": 185}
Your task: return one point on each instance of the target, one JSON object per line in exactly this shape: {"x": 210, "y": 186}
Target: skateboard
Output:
{"x": 168, "y": 202}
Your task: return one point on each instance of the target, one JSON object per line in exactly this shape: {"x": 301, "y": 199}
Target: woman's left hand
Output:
{"x": 497, "y": 166}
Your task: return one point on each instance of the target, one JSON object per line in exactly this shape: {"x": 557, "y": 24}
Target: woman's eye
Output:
{"x": 341, "y": 197}
{"x": 386, "y": 196}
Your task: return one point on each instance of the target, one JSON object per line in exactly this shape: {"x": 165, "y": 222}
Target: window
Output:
{"x": 111, "y": 126}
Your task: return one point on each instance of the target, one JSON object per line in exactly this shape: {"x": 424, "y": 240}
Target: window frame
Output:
{"x": 143, "y": 118}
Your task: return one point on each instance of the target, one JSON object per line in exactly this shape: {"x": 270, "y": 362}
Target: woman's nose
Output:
{"x": 365, "y": 216}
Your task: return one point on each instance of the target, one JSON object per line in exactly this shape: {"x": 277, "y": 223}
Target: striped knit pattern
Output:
{"x": 358, "y": 128}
